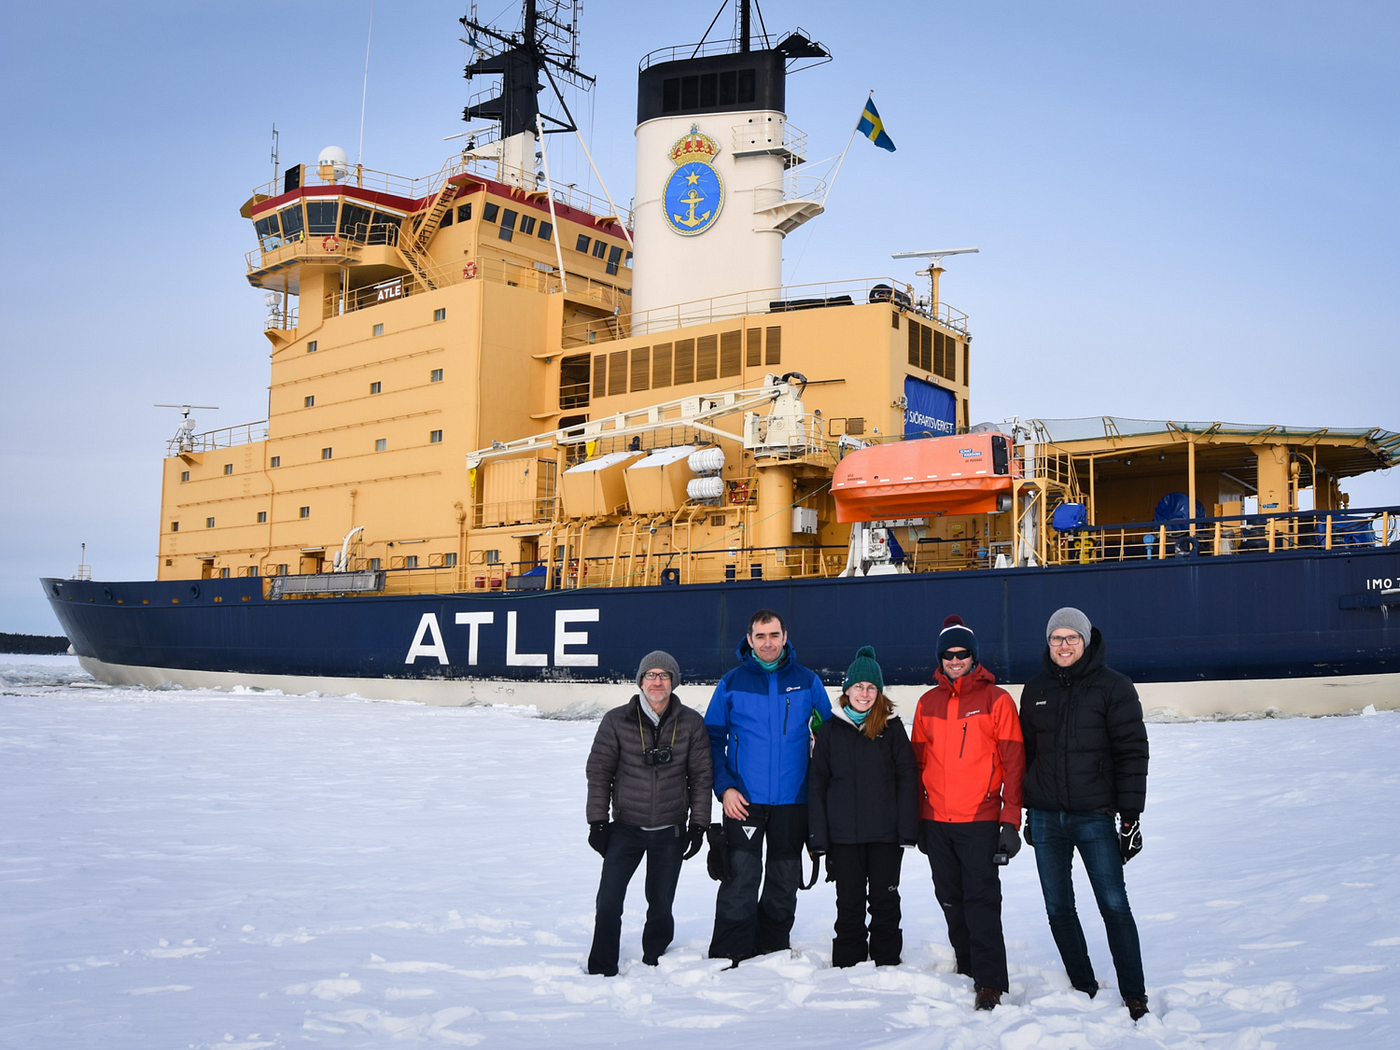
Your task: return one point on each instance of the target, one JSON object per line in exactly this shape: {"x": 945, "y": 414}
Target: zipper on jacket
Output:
{"x": 963, "y": 744}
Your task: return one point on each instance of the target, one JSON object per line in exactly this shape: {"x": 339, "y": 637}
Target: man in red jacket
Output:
{"x": 967, "y": 742}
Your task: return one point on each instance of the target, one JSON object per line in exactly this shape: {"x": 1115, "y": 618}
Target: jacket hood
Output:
{"x": 977, "y": 674}
{"x": 745, "y": 654}
{"x": 1092, "y": 659}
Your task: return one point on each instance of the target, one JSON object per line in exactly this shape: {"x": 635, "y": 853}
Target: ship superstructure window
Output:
{"x": 380, "y": 444}
{"x": 184, "y": 475}
{"x": 354, "y": 221}
{"x": 435, "y": 437}
{"x": 276, "y": 461}
{"x": 326, "y": 453}
{"x": 305, "y": 512}
{"x": 546, "y": 229}
{"x": 223, "y": 575}
{"x": 440, "y": 314}
{"x": 309, "y": 401}
{"x": 435, "y": 376}
{"x": 446, "y": 219}
{"x": 292, "y": 227}
{"x": 375, "y": 388}
{"x": 493, "y": 557}
{"x": 262, "y": 517}
{"x": 728, "y": 88}
{"x": 490, "y": 212}
{"x": 311, "y": 346}
{"x": 269, "y": 233}
{"x": 208, "y": 523}
{"x": 282, "y": 569}
{"x": 174, "y": 526}
{"x": 449, "y": 560}
{"x": 384, "y": 228}
{"x": 583, "y": 242}
{"x": 464, "y": 212}
{"x": 600, "y": 249}
{"x": 375, "y": 563}
{"x": 320, "y": 217}
{"x": 411, "y": 562}
{"x": 228, "y": 468}
{"x": 527, "y": 224}
{"x": 614, "y": 257}
{"x": 507, "y": 231}
{"x": 379, "y": 329}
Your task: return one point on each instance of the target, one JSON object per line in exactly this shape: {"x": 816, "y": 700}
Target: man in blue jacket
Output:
{"x": 760, "y": 734}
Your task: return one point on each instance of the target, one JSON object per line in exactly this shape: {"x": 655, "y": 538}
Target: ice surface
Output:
{"x": 193, "y": 869}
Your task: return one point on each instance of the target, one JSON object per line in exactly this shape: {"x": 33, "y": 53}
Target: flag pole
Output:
{"x": 842, "y": 159}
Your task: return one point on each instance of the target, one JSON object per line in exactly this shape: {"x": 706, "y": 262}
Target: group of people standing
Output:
{"x": 848, "y": 783}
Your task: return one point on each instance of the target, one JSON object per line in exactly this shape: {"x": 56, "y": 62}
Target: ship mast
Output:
{"x": 546, "y": 46}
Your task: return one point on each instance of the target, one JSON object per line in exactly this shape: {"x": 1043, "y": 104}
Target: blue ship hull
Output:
{"x": 1299, "y": 615}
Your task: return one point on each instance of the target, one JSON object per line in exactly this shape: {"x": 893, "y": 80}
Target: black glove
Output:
{"x": 1129, "y": 836}
{"x": 598, "y": 837}
{"x": 695, "y": 838}
{"x": 1008, "y": 841}
{"x": 1027, "y": 833}
{"x": 717, "y": 859}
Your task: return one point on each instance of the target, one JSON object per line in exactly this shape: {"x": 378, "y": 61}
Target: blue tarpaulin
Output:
{"x": 1174, "y": 507}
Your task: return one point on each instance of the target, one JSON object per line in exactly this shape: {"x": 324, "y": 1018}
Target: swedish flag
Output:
{"x": 873, "y": 128}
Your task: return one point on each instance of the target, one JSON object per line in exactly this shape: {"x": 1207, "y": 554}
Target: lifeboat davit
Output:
{"x": 963, "y": 474}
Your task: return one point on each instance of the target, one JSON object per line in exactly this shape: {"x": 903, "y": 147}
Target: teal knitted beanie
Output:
{"x": 864, "y": 669}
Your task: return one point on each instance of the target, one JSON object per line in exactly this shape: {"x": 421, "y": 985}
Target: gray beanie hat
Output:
{"x": 1070, "y": 618}
{"x": 658, "y": 660}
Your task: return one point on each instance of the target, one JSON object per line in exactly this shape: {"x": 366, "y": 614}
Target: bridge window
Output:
{"x": 446, "y": 219}
{"x": 507, "y": 231}
{"x": 384, "y": 229}
{"x": 490, "y": 212}
{"x": 464, "y": 212}
{"x": 291, "y": 223}
{"x": 582, "y": 244}
{"x": 269, "y": 234}
{"x": 600, "y": 249}
{"x": 354, "y": 221}
{"x": 545, "y": 230}
{"x": 320, "y": 217}
{"x": 527, "y": 224}
{"x": 614, "y": 257}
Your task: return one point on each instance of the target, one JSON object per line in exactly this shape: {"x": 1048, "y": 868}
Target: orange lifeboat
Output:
{"x": 963, "y": 474}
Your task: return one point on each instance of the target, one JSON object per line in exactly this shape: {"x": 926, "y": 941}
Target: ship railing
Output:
{"x": 278, "y": 318}
{"x": 523, "y": 511}
{"x": 224, "y": 437}
{"x": 424, "y": 188}
{"x": 727, "y": 565}
{"x": 787, "y": 436}
{"x": 1232, "y": 535}
{"x": 753, "y": 303}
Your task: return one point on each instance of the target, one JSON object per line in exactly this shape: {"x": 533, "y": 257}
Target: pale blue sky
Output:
{"x": 1185, "y": 210}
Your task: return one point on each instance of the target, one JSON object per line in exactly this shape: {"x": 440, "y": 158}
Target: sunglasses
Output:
{"x": 957, "y": 654}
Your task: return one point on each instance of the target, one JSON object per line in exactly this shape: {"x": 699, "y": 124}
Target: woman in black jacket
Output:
{"x": 863, "y": 808}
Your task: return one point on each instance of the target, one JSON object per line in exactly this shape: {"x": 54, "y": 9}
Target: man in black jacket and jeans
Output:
{"x": 1086, "y": 760}
{"x": 651, "y": 760}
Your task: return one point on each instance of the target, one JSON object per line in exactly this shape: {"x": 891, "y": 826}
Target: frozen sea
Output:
{"x": 195, "y": 869}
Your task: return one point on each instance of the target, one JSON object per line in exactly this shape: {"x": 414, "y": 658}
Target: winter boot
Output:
{"x": 1137, "y": 1009}
{"x": 989, "y": 998}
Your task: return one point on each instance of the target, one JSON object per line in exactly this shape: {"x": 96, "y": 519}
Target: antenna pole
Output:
{"x": 845, "y": 151}
{"x": 364, "y": 94}
{"x": 276, "y": 155}
{"x": 553, "y": 220}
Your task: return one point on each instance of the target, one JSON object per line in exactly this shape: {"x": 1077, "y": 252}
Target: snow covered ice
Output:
{"x": 190, "y": 869}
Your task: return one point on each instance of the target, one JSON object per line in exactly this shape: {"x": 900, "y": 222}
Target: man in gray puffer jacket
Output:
{"x": 651, "y": 761}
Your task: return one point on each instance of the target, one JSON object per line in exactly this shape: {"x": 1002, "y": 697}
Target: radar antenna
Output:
{"x": 935, "y": 268}
{"x": 546, "y": 44}
{"x": 184, "y": 433}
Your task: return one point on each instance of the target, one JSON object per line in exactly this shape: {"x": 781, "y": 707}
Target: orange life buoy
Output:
{"x": 330, "y": 243}
{"x": 469, "y": 271}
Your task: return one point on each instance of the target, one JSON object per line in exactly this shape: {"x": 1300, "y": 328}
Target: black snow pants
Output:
{"x": 968, "y": 886}
{"x": 866, "y": 873}
{"x": 747, "y": 924}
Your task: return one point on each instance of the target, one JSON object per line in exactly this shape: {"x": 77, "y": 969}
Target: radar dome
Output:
{"x": 332, "y": 155}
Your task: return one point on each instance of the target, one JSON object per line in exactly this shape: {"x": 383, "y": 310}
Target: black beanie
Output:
{"x": 956, "y": 635}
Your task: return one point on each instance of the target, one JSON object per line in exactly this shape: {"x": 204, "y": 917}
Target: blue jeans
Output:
{"x": 1055, "y": 836}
